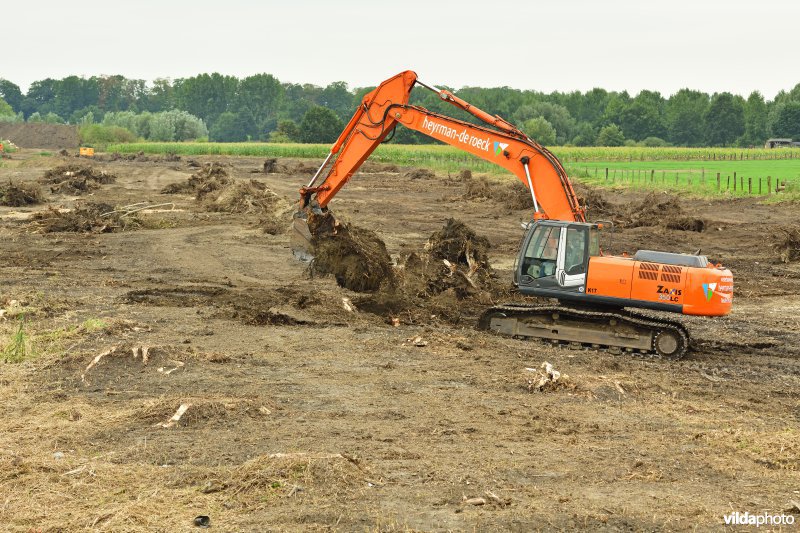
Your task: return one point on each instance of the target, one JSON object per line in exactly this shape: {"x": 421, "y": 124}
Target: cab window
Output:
{"x": 541, "y": 253}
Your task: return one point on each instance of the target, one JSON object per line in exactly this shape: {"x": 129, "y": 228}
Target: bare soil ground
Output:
{"x": 301, "y": 415}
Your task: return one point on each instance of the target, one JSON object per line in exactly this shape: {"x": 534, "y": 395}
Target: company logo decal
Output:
{"x": 499, "y": 147}
{"x": 708, "y": 290}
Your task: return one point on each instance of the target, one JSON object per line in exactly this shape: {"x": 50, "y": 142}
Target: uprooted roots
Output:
{"x": 19, "y": 194}
{"x": 75, "y": 179}
{"x": 211, "y": 177}
{"x": 445, "y": 278}
{"x": 90, "y": 218}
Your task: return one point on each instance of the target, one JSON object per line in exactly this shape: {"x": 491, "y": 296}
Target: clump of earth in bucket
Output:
{"x": 90, "y": 218}
{"x": 355, "y": 256}
{"x": 19, "y": 194}
{"x": 210, "y": 178}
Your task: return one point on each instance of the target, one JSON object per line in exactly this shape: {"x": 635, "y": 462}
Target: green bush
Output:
{"x": 611, "y": 135}
{"x": 653, "y": 142}
{"x": 98, "y": 135}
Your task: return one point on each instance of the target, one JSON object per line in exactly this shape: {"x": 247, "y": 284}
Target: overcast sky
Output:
{"x": 565, "y": 45}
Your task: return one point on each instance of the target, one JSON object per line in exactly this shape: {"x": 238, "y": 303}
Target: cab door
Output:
{"x": 573, "y": 257}
{"x": 537, "y": 262}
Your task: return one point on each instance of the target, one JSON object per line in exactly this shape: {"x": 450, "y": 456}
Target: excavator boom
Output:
{"x": 498, "y": 142}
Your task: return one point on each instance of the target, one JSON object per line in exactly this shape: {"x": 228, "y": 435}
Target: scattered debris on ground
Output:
{"x": 546, "y": 379}
{"x": 787, "y": 243}
{"x": 19, "y": 194}
{"x": 89, "y": 218}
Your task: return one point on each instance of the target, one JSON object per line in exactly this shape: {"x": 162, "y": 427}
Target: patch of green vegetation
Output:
{"x": 19, "y": 346}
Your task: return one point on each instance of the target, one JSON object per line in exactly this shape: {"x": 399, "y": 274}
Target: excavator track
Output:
{"x": 620, "y": 330}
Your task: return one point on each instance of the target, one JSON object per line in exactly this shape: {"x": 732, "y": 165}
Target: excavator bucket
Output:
{"x": 308, "y": 224}
{"x": 301, "y": 239}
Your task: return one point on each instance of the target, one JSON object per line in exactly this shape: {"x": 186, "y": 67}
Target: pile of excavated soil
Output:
{"x": 597, "y": 206}
{"x": 244, "y": 197}
{"x": 211, "y": 177}
{"x": 75, "y": 179}
{"x": 787, "y": 243}
{"x": 450, "y": 277}
{"x": 659, "y": 210}
{"x": 355, "y": 256}
{"x": 19, "y": 194}
{"x": 514, "y": 194}
{"x": 420, "y": 174}
{"x": 90, "y": 218}
{"x": 40, "y": 135}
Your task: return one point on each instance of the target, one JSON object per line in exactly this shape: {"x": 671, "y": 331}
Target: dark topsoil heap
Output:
{"x": 451, "y": 277}
{"x": 75, "y": 179}
{"x": 90, "y": 218}
{"x": 19, "y": 194}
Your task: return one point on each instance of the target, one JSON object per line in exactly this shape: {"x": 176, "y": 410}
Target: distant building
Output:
{"x": 781, "y": 143}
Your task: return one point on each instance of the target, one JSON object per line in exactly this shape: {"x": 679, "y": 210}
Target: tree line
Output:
{"x": 260, "y": 107}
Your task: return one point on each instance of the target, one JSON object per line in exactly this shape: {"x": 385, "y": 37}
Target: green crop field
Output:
{"x": 691, "y": 170}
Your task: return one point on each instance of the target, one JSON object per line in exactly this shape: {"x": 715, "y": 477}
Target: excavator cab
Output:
{"x": 554, "y": 256}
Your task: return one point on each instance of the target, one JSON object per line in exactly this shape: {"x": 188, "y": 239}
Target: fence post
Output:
{"x": 749, "y": 185}
{"x": 759, "y": 186}
{"x": 717, "y": 181}
{"x": 606, "y": 173}
{"x": 734, "y": 182}
{"x": 652, "y": 174}
{"x": 728, "y": 187}
{"x": 769, "y": 184}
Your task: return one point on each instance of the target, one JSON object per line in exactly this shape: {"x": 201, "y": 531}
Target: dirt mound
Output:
{"x": 90, "y": 218}
{"x": 449, "y": 278}
{"x": 420, "y": 174}
{"x": 355, "y": 256}
{"x": 514, "y": 195}
{"x": 459, "y": 244}
{"x": 597, "y": 206}
{"x": 211, "y": 177}
{"x": 75, "y": 179}
{"x": 659, "y": 210}
{"x": 243, "y": 197}
{"x": 787, "y": 243}
{"x": 19, "y": 194}
{"x": 39, "y": 135}
{"x": 65, "y": 172}
{"x": 270, "y": 166}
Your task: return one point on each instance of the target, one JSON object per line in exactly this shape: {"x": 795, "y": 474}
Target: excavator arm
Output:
{"x": 498, "y": 142}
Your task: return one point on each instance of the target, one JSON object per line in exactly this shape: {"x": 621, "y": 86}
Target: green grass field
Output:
{"x": 690, "y": 170}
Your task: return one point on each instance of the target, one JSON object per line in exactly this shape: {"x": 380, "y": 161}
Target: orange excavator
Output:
{"x": 560, "y": 255}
